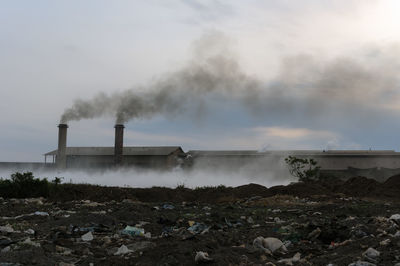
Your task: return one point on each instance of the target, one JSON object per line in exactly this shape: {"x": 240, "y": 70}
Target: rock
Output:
{"x": 361, "y": 263}
{"x": 371, "y": 254}
{"x": 269, "y": 244}
{"x": 273, "y": 244}
{"x": 106, "y": 240}
{"x": 87, "y": 237}
{"x": 141, "y": 245}
{"x": 65, "y": 264}
{"x": 314, "y": 234}
{"x": 63, "y": 250}
{"x": 258, "y": 244}
{"x": 385, "y": 242}
{"x": 122, "y": 250}
{"x": 6, "y": 229}
{"x": 290, "y": 261}
{"x": 202, "y": 257}
{"x": 29, "y": 242}
{"x": 6, "y": 249}
{"x": 29, "y": 231}
{"x": 37, "y": 201}
{"x": 41, "y": 213}
{"x": 396, "y": 218}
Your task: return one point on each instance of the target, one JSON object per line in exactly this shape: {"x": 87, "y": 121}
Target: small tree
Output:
{"x": 304, "y": 169}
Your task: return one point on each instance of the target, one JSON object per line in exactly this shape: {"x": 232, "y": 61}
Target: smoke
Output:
{"x": 305, "y": 85}
{"x": 196, "y": 177}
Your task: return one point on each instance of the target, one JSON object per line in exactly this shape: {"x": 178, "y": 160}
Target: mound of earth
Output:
{"x": 360, "y": 187}
{"x": 392, "y": 182}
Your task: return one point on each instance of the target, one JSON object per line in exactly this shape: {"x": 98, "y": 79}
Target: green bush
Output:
{"x": 25, "y": 185}
{"x": 305, "y": 170}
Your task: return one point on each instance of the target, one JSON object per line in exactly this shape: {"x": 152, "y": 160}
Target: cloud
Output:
{"x": 292, "y": 133}
{"x": 208, "y": 11}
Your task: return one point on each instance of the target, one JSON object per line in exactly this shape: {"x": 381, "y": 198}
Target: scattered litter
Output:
{"x": 269, "y": 244}
{"x": 191, "y": 223}
{"x": 133, "y": 231}
{"x": 41, "y": 213}
{"x": 168, "y": 207}
{"x": 202, "y": 257}
{"x": 198, "y": 228}
{"x": 357, "y": 231}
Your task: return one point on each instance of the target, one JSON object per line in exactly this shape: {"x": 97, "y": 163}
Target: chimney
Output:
{"x": 119, "y": 144}
{"x": 62, "y": 146}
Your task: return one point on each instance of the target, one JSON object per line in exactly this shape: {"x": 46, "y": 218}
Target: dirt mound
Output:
{"x": 360, "y": 187}
{"x": 391, "y": 188}
{"x": 300, "y": 189}
{"x": 392, "y": 182}
{"x": 250, "y": 190}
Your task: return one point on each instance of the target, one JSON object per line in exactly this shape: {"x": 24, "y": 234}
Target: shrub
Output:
{"x": 305, "y": 170}
{"x": 24, "y": 185}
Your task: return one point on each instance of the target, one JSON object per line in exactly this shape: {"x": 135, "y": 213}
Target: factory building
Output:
{"x": 378, "y": 164}
{"x": 104, "y": 157}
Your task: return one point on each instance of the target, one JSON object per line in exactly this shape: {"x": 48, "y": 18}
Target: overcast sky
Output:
{"x": 306, "y": 74}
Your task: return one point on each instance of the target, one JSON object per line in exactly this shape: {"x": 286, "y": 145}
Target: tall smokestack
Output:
{"x": 62, "y": 146}
{"x": 119, "y": 144}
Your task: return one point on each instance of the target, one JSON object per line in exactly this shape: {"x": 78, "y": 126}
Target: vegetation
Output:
{"x": 25, "y": 185}
{"x": 305, "y": 170}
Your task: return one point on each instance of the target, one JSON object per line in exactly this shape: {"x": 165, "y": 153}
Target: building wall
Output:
{"x": 107, "y": 161}
{"x": 17, "y": 166}
{"x": 326, "y": 162}
{"x": 360, "y": 162}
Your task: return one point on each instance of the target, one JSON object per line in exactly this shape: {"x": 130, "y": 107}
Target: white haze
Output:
{"x": 148, "y": 178}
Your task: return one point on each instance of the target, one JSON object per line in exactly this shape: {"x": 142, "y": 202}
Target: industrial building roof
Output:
{"x": 222, "y": 152}
{"x": 87, "y": 151}
{"x": 293, "y": 152}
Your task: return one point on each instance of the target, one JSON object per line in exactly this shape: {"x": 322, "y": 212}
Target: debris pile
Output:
{"x": 253, "y": 229}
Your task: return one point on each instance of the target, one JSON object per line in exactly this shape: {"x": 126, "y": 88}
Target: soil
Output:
{"x": 351, "y": 215}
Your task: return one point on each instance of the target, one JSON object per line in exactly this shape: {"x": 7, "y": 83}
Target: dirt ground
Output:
{"x": 325, "y": 223}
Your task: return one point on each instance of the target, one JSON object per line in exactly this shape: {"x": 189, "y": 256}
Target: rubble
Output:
{"x": 219, "y": 229}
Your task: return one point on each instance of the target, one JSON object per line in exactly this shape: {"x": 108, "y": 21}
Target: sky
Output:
{"x": 206, "y": 74}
